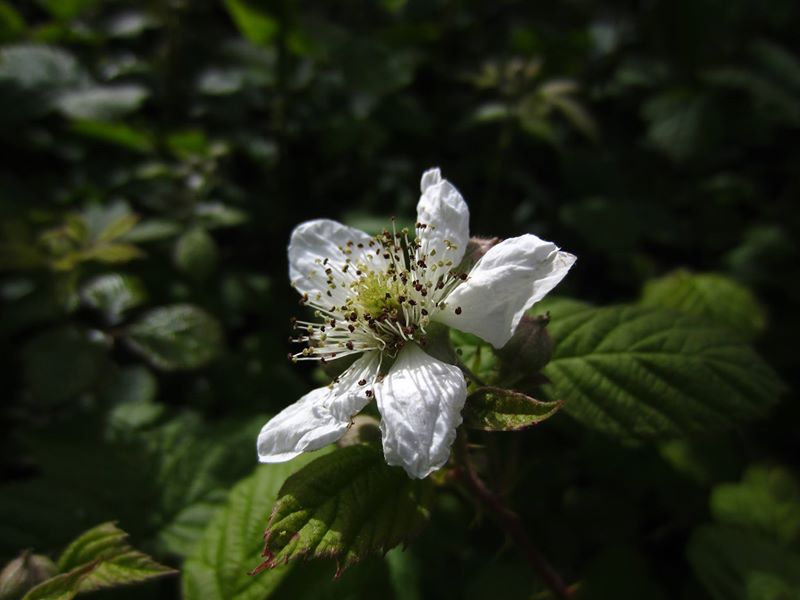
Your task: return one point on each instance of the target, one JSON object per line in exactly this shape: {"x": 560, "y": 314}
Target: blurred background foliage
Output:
{"x": 157, "y": 154}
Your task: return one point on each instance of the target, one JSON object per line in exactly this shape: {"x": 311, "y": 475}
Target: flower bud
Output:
{"x": 23, "y": 573}
{"x": 529, "y": 349}
{"x": 476, "y": 248}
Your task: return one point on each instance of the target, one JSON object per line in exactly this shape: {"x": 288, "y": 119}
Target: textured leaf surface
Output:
{"x": 498, "y": 409}
{"x": 710, "y": 296}
{"x": 231, "y": 545}
{"x": 181, "y": 471}
{"x": 99, "y": 558}
{"x": 61, "y": 587}
{"x": 345, "y": 505}
{"x": 115, "y": 561}
{"x": 737, "y": 565}
{"x": 766, "y": 500}
{"x": 114, "y": 293}
{"x": 644, "y": 373}
{"x": 180, "y": 336}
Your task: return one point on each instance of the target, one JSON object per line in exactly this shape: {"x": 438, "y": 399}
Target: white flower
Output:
{"x": 379, "y": 296}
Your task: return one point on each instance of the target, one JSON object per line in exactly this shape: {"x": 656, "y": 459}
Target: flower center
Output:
{"x": 381, "y": 300}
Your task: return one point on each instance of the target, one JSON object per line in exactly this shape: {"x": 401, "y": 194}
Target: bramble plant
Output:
{"x": 440, "y": 328}
{"x": 467, "y": 410}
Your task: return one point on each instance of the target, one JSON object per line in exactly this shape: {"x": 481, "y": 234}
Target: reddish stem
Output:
{"x": 510, "y": 523}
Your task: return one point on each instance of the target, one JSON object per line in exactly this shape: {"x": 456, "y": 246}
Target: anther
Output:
{"x": 458, "y": 310}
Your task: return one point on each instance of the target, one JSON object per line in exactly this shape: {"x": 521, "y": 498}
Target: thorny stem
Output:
{"x": 509, "y": 521}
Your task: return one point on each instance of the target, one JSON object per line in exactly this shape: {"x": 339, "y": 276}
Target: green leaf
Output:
{"x": 477, "y": 355}
{"x": 231, "y": 545}
{"x": 11, "y": 23}
{"x": 196, "y": 253}
{"x": 180, "y": 336}
{"x": 115, "y": 561}
{"x": 643, "y": 373}
{"x": 767, "y": 500}
{"x": 256, "y": 25}
{"x": 498, "y": 409}
{"x": 31, "y": 78}
{"x": 181, "y": 471}
{"x": 99, "y": 558}
{"x": 114, "y": 293}
{"x": 737, "y": 565}
{"x": 60, "y": 587}
{"x": 120, "y": 134}
{"x": 131, "y": 396}
{"x": 152, "y": 230}
{"x": 679, "y": 123}
{"x": 101, "y": 103}
{"x": 216, "y": 214}
{"x": 346, "y": 505}
{"x": 112, "y": 253}
{"x": 67, "y": 9}
{"x": 710, "y": 296}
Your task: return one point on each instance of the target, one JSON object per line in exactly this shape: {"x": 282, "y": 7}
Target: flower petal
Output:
{"x": 509, "y": 279}
{"x": 420, "y": 402}
{"x": 304, "y": 426}
{"x": 320, "y": 417}
{"x": 315, "y": 241}
{"x": 349, "y": 393}
{"x": 446, "y": 218}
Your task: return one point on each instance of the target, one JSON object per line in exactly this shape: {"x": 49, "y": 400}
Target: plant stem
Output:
{"x": 509, "y": 521}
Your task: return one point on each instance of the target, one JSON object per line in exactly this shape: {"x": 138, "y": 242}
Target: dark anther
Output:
{"x": 368, "y": 393}
{"x": 401, "y": 299}
{"x": 458, "y": 310}
{"x": 424, "y": 312}
{"x": 352, "y": 328}
{"x": 333, "y": 322}
{"x": 349, "y": 345}
{"x": 353, "y": 316}
{"x": 362, "y": 382}
{"x": 412, "y": 302}
{"x": 462, "y": 276}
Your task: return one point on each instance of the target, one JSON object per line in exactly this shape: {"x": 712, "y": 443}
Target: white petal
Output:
{"x": 314, "y": 241}
{"x": 349, "y": 395}
{"x": 429, "y": 178}
{"x": 509, "y": 279}
{"x": 320, "y": 417}
{"x": 420, "y": 402}
{"x": 446, "y": 217}
{"x": 306, "y": 425}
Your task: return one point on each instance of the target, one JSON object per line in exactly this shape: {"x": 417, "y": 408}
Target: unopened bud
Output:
{"x": 476, "y": 248}
{"x": 24, "y": 573}
{"x": 529, "y": 349}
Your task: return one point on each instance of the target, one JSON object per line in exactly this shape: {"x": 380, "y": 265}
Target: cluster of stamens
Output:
{"x": 393, "y": 285}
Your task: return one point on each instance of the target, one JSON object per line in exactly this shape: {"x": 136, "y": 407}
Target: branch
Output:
{"x": 510, "y": 522}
